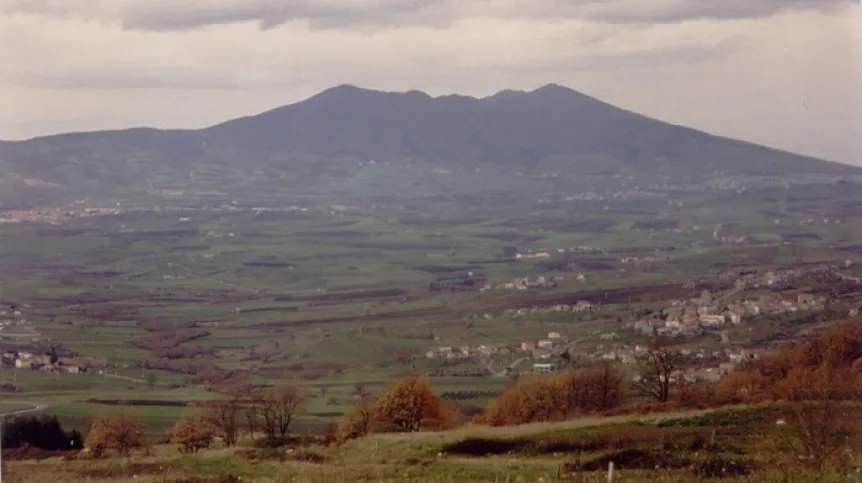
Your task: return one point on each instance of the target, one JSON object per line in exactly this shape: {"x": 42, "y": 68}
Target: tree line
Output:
{"x": 43, "y": 432}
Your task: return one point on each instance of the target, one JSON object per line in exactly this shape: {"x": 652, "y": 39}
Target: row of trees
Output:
{"x": 410, "y": 404}
{"x": 268, "y": 411}
{"x": 43, "y": 432}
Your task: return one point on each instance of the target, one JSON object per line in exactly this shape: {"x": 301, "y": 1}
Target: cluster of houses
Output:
{"x": 42, "y": 362}
{"x": 524, "y": 283}
{"x": 690, "y": 318}
{"x": 579, "y": 306}
{"x": 14, "y": 326}
{"x": 637, "y": 261}
{"x": 545, "y": 349}
{"x": 450, "y": 353}
{"x": 531, "y": 255}
{"x": 707, "y": 364}
{"x": 540, "y": 349}
{"x": 681, "y": 318}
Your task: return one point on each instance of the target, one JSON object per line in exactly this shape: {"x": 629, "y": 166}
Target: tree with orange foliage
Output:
{"x": 410, "y": 405}
{"x": 450, "y": 417}
{"x": 744, "y": 386}
{"x": 824, "y": 368}
{"x": 532, "y": 399}
{"x": 357, "y": 423}
{"x": 557, "y": 397}
{"x": 120, "y": 432}
{"x": 590, "y": 390}
{"x": 192, "y": 433}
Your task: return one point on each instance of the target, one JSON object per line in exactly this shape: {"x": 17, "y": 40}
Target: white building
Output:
{"x": 544, "y": 368}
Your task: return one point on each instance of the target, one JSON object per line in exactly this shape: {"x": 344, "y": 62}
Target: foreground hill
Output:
{"x": 730, "y": 445}
{"x": 550, "y": 131}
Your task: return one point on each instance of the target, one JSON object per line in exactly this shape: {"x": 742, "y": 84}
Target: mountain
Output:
{"x": 320, "y": 140}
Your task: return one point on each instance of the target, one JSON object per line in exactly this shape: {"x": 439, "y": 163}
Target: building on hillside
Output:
{"x": 712, "y": 320}
{"x": 544, "y": 368}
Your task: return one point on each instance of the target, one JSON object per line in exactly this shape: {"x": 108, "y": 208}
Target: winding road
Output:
{"x": 34, "y": 408}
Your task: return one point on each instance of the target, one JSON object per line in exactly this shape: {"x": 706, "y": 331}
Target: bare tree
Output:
{"x": 360, "y": 391}
{"x": 251, "y": 413}
{"x": 151, "y": 378}
{"x": 278, "y": 408}
{"x": 655, "y": 369}
{"x": 224, "y": 417}
{"x": 822, "y": 433}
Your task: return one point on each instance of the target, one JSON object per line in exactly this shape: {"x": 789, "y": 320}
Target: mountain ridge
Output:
{"x": 551, "y": 129}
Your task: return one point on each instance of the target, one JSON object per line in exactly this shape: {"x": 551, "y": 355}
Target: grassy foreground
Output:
{"x": 741, "y": 444}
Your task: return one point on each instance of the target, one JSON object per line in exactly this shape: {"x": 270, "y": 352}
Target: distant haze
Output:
{"x": 785, "y": 73}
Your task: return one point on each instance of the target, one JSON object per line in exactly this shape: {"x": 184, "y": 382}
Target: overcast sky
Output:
{"x": 786, "y": 73}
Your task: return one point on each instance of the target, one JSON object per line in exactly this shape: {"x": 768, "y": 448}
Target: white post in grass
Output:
{"x": 611, "y": 472}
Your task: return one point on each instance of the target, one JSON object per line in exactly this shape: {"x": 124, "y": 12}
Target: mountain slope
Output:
{"x": 551, "y": 129}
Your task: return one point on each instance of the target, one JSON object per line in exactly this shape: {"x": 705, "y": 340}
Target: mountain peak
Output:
{"x": 554, "y": 88}
{"x": 340, "y": 90}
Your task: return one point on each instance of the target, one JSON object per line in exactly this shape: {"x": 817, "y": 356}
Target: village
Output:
{"x": 43, "y": 362}
{"x": 16, "y": 331}
{"x": 749, "y": 298}
{"x": 557, "y": 352}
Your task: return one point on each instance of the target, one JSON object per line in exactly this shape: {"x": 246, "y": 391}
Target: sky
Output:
{"x": 785, "y": 73}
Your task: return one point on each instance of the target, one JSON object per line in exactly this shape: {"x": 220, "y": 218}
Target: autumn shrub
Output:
{"x": 695, "y": 395}
{"x": 356, "y": 423}
{"x": 532, "y": 399}
{"x": 450, "y": 416}
{"x": 824, "y": 368}
{"x": 747, "y": 384}
{"x": 557, "y": 397}
{"x": 192, "y": 433}
{"x": 592, "y": 390}
{"x": 119, "y": 432}
{"x": 410, "y": 405}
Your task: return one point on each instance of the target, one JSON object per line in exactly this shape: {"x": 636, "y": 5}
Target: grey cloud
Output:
{"x": 163, "y": 15}
{"x": 672, "y": 11}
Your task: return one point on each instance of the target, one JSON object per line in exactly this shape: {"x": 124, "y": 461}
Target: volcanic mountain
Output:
{"x": 322, "y": 139}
